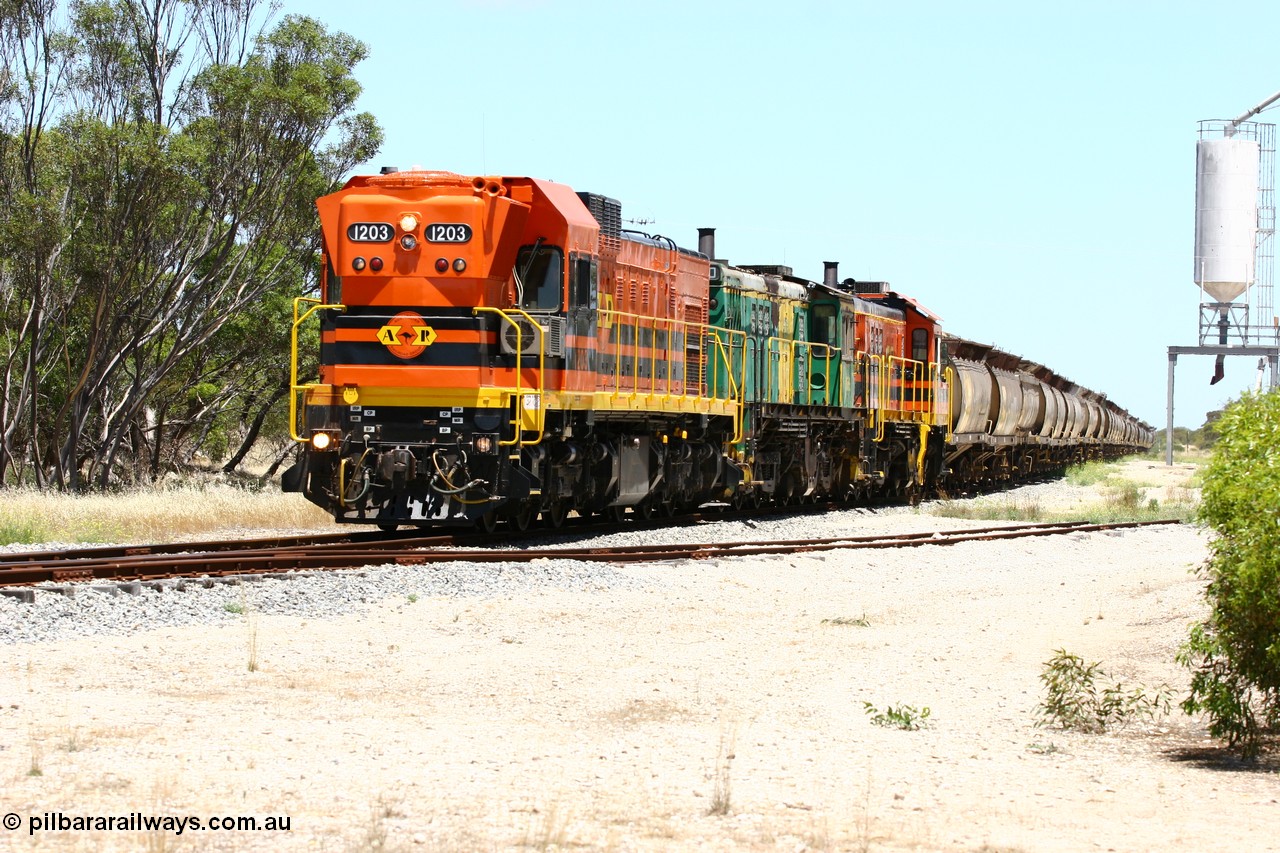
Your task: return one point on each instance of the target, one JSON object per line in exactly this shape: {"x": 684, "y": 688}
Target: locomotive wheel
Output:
{"x": 646, "y": 510}
{"x": 556, "y": 516}
{"x": 522, "y": 518}
{"x": 615, "y": 513}
{"x": 389, "y": 527}
{"x": 488, "y": 522}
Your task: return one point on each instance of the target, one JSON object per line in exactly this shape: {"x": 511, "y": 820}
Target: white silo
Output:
{"x": 1234, "y": 259}
{"x": 1226, "y": 216}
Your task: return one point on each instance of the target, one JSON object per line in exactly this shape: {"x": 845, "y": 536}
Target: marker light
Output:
{"x": 483, "y": 443}
{"x": 375, "y": 264}
{"x": 357, "y": 264}
{"x": 459, "y": 265}
{"x": 408, "y": 222}
{"x": 408, "y": 242}
{"x": 442, "y": 264}
{"x": 321, "y": 440}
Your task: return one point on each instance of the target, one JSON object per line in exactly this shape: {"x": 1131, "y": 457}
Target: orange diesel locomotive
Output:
{"x": 489, "y": 349}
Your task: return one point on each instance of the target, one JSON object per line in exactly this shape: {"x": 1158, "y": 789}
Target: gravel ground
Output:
{"x": 710, "y": 705}
{"x": 97, "y": 609}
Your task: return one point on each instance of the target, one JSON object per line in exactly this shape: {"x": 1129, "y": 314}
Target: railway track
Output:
{"x": 203, "y": 562}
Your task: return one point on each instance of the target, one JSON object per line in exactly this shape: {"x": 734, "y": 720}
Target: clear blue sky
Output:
{"x": 1025, "y": 169}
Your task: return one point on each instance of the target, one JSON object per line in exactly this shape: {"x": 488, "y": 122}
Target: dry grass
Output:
{"x": 1105, "y": 496}
{"x": 647, "y": 711}
{"x": 163, "y": 514}
{"x": 722, "y": 782}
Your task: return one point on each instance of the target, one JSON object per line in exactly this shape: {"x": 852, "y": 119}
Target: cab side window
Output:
{"x": 920, "y": 345}
{"x": 540, "y": 277}
{"x": 331, "y": 284}
{"x": 582, "y": 292}
{"x": 822, "y": 325}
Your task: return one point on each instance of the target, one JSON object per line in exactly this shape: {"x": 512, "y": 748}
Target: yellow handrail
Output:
{"x": 809, "y": 359}
{"x": 737, "y": 388}
{"x": 882, "y": 403}
{"x": 294, "y": 387}
{"x": 616, "y": 320}
{"x": 517, "y": 440}
{"x": 948, "y": 378}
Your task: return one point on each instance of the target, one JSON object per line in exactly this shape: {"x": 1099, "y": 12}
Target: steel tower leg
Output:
{"x": 1168, "y": 432}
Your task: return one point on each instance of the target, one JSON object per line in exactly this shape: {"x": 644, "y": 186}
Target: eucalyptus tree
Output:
{"x": 161, "y": 159}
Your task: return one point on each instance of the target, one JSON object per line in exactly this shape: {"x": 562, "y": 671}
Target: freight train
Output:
{"x": 501, "y": 350}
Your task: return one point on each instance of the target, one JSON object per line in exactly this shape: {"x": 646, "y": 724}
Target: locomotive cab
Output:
{"x": 444, "y": 319}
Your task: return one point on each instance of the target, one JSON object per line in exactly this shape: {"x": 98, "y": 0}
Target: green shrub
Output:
{"x": 906, "y": 717}
{"x": 1089, "y": 473}
{"x": 1234, "y": 655}
{"x": 23, "y": 531}
{"x": 990, "y": 510}
{"x": 1125, "y": 495}
{"x": 1075, "y": 699}
{"x": 856, "y": 621}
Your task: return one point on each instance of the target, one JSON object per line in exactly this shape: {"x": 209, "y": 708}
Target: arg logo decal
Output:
{"x": 406, "y": 335}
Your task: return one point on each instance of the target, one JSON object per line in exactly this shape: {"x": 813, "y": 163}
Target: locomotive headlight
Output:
{"x": 408, "y": 242}
{"x": 321, "y": 440}
{"x": 483, "y": 444}
{"x": 408, "y": 222}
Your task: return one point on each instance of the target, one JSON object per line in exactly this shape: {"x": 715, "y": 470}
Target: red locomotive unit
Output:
{"x": 500, "y": 349}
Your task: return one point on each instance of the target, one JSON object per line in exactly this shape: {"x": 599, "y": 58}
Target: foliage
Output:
{"x": 1234, "y": 654}
{"x": 721, "y": 793}
{"x": 159, "y": 161}
{"x": 990, "y": 510}
{"x": 163, "y": 512}
{"x": 1126, "y": 495}
{"x": 21, "y": 530}
{"x": 1089, "y": 473}
{"x": 856, "y": 621}
{"x": 905, "y": 717}
{"x": 1122, "y": 501}
{"x": 1204, "y": 437}
{"x": 1076, "y": 700}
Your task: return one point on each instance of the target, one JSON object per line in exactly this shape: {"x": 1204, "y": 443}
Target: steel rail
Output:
{"x": 412, "y": 537}
{"x": 408, "y": 552}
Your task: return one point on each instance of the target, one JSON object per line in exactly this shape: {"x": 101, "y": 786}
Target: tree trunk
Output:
{"x": 255, "y": 427}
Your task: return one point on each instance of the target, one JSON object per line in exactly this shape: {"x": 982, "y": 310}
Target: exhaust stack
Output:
{"x": 829, "y": 275}
{"x": 707, "y": 242}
